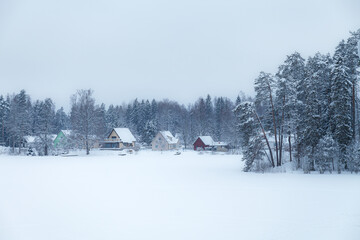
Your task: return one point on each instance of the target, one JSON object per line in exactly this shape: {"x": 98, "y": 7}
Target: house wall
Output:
{"x": 60, "y": 140}
{"x": 117, "y": 139}
{"x": 159, "y": 143}
{"x": 199, "y": 144}
{"x": 113, "y": 134}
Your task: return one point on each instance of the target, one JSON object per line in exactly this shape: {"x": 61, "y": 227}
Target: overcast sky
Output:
{"x": 179, "y": 50}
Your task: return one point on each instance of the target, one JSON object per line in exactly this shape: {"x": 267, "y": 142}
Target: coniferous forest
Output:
{"x": 20, "y": 117}
{"x": 305, "y": 114}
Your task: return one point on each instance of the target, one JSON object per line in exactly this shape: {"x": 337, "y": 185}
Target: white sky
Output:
{"x": 159, "y": 49}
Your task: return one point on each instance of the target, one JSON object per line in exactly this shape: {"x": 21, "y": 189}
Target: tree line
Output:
{"x": 20, "y": 117}
{"x": 306, "y": 113}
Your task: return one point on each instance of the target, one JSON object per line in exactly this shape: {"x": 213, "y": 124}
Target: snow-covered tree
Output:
{"x": 62, "y": 121}
{"x": 326, "y": 155}
{"x": 292, "y": 76}
{"x": 4, "y": 111}
{"x": 209, "y": 111}
{"x": 83, "y": 117}
{"x": 44, "y": 114}
{"x": 341, "y": 96}
{"x": 19, "y": 119}
{"x": 264, "y": 88}
{"x": 252, "y": 135}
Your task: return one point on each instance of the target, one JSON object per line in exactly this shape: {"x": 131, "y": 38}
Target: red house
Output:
{"x": 203, "y": 142}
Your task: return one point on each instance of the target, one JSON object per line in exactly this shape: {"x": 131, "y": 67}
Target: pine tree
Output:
{"x": 100, "y": 121}
{"x": 264, "y": 88}
{"x": 44, "y": 114}
{"x": 351, "y": 61}
{"x": 4, "y": 111}
{"x": 341, "y": 92}
{"x": 293, "y": 73}
{"x": 19, "y": 119}
{"x": 238, "y": 100}
{"x": 208, "y": 128}
{"x": 326, "y": 154}
{"x": 62, "y": 121}
{"x": 250, "y": 138}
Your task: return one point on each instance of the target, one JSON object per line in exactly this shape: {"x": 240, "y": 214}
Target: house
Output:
{"x": 62, "y": 140}
{"x": 164, "y": 141}
{"x": 119, "y": 138}
{"x": 221, "y": 146}
{"x": 204, "y": 143}
{"x": 207, "y": 143}
{"x": 68, "y": 139}
{"x": 29, "y": 141}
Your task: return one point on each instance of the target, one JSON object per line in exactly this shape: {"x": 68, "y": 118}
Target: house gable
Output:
{"x": 119, "y": 138}
{"x": 159, "y": 143}
{"x": 164, "y": 140}
{"x": 203, "y": 142}
{"x": 114, "y": 135}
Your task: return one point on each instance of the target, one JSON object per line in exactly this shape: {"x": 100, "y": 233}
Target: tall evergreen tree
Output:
{"x": 4, "y": 111}
{"x": 249, "y": 125}
{"x": 264, "y": 88}
{"x": 341, "y": 95}
{"x": 19, "y": 119}
{"x": 44, "y": 124}
{"x": 292, "y": 72}
{"x": 62, "y": 121}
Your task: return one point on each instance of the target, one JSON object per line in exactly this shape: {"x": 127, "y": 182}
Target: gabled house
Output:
{"x": 207, "y": 143}
{"x": 29, "y": 141}
{"x": 221, "y": 146}
{"x": 62, "y": 140}
{"x": 119, "y": 138}
{"x": 164, "y": 141}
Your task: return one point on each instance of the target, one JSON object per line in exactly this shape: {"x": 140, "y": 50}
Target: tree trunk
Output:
{"x": 353, "y": 112}
{"x": 280, "y": 145}
{"x": 266, "y": 139}
{"x": 290, "y": 148}
{"x": 87, "y": 146}
{"x": 274, "y": 123}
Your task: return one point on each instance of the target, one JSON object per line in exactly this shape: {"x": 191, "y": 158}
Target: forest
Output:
{"x": 305, "y": 114}
{"x": 20, "y": 117}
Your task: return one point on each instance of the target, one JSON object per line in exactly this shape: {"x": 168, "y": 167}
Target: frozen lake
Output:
{"x": 150, "y": 195}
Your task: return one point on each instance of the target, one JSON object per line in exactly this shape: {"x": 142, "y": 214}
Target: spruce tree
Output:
{"x": 341, "y": 92}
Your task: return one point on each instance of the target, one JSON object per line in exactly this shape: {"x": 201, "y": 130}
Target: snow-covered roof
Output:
{"x": 207, "y": 140}
{"x": 67, "y": 132}
{"x": 52, "y": 137}
{"x": 30, "y": 139}
{"x": 125, "y": 135}
{"x": 220, "y": 144}
{"x": 169, "y": 137}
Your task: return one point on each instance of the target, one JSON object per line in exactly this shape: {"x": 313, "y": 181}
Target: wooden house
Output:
{"x": 119, "y": 138}
{"x": 62, "y": 140}
{"x": 203, "y": 143}
{"x": 164, "y": 141}
{"x": 207, "y": 143}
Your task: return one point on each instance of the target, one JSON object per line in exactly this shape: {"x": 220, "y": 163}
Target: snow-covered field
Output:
{"x": 150, "y": 195}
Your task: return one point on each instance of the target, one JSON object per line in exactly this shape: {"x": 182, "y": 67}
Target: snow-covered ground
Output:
{"x": 150, "y": 195}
